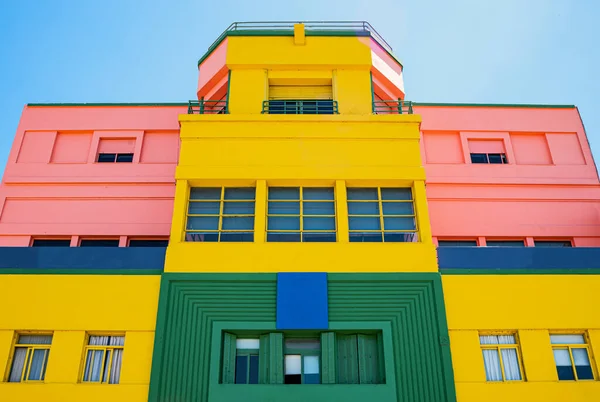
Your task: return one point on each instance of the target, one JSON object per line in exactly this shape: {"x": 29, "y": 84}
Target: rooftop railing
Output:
{"x": 392, "y": 107}
{"x": 300, "y": 107}
{"x": 208, "y": 107}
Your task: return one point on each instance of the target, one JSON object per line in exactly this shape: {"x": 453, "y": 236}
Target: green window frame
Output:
{"x": 381, "y": 214}
{"x": 220, "y": 214}
{"x": 301, "y": 214}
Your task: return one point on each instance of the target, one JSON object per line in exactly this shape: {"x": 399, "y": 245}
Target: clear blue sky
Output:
{"x": 510, "y": 51}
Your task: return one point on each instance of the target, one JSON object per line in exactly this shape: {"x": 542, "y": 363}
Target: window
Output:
{"x": 457, "y": 243}
{"x": 505, "y": 243}
{"x": 111, "y": 158}
{"x": 30, "y": 358}
{"x": 99, "y": 243}
{"x": 103, "y": 355}
{"x": 301, "y": 363}
{"x": 301, "y": 214}
{"x": 501, "y": 357}
{"x": 221, "y": 214}
{"x": 148, "y": 243}
{"x": 51, "y": 243}
{"x": 381, "y": 215}
{"x": 572, "y": 356}
{"x": 495, "y": 159}
{"x": 553, "y": 243}
{"x": 246, "y": 361}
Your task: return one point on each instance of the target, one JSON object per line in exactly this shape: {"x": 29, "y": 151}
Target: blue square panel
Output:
{"x": 302, "y": 300}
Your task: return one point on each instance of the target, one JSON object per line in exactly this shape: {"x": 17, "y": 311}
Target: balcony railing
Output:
{"x": 208, "y": 107}
{"x": 300, "y": 107}
{"x": 392, "y": 107}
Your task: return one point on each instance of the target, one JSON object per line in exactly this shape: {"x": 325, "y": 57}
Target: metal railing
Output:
{"x": 305, "y": 106}
{"x": 208, "y": 107}
{"x": 392, "y": 107}
{"x": 357, "y": 26}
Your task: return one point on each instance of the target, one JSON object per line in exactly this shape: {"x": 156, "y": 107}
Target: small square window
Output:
{"x": 106, "y": 158}
{"x": 501, "y": 357}
{"x": 30, "y": 358}
{"x": 572, "y": 357}
{"x": 124, "y": 158}
{"x": 103, "y": 356}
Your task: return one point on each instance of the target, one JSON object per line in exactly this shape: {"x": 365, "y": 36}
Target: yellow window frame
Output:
{"x": 381, "y": 215}
{"x": 221, "y": 214}
{"x": 570, "y": 346}
{"x": 104, "y": 349}
{"x": 499, "y": 347}
{"x": 31, "y": 348}
{"x": 301, "y": 216}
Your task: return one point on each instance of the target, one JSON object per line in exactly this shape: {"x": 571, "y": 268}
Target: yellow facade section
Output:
{"x": 71, "y": 307}
{"x": 531, "y": 307}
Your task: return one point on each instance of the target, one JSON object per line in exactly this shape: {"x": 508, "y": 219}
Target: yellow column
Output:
{"x": 179, "y": 209}
{"x": 260, "y": 212}
{"x": 137, "y": 360}
{"x": 6, "y": 341}
{"x": 594, "y": 337}
{"x": 341, "y": 207}
{"x": 65, "y": 357}
{"x": 538, "y": 360}
{"x": 467, "y": 359}
{"x": 420, "y": 199}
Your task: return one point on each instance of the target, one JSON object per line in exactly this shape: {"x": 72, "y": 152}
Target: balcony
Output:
{"x": 208, "y": 107}
{"x": 473, "y": 260}
{"x": 392, "y": 107}
{"x": 300, "y": 107}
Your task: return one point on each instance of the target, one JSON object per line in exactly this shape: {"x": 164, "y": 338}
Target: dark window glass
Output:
{"x": 507, "y": 243}
{"x": 496, "y": 158}
{"x": 253, "y": 370}
{"x": 99, "y": 243}
{"x": 241, "y": 369}
{"x": 106, "y": 158}
{"x": 293, "y": 378}
{"x": 565, "y": 373}
{"x": 148, "y": 243}
{"x": 479, "y": 158}
{"x": 457, "y": 243}
{"x": 552, "y": 243}
{"x": 51, "y": 243}
{"x": 124, "y": 158}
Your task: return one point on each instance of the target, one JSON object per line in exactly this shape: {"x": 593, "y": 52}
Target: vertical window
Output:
{"x": 221, "y": 214}
{"x": 30, "y": 358}
{"x": 501, "y": 357}
{"x": 301, "y": 361}
{"x": 381, "y": 215}
{"x": 553, "y": 243}
{"x": 103, "y": 356}
{"x": 246, "y": 361}
{"x": 457, "y": 243}
{"x": 301, "y": 214}
{"x": 572, "y": 357}
{"x": 505, "y": 243}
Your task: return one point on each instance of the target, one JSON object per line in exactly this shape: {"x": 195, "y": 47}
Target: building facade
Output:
{"x": 300, "y": 232}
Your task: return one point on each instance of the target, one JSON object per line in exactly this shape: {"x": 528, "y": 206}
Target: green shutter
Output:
{"x": 380, "y": 358}
{"x": 328, "y": 358}
{"x": 347, "y": 359}
{"x": 229, "y": 352}
{"x": 270, "y": 359}
{"x": 368, "y": 359}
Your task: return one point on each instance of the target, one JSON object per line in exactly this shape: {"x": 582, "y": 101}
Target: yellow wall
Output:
{"x": 70, "y": 306}
{"x": 532, "y": 306}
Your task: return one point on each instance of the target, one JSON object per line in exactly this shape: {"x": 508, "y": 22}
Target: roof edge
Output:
{"x": 106, "y": 104}
{"x": 511, "y": 105}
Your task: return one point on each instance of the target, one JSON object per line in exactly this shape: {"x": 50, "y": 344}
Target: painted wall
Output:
{"x": 57, "y": 147}
{"x": 548, "y": 190}
{"x": 531, "y": 306}
{"x": 71, "y": 306}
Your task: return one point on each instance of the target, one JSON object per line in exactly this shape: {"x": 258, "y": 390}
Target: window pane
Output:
{"x": 204, "y": 208}
{"x": 582, "y": 364}
{"x": 491, "y": 360}
{"x": 319, "y": 223}
{"x": 389, "y": 237}
{"x": 148, "y": 243}
{"x": 320, "y": 237}
{"x": 241, "y": 369}
{"x": 363, "y": 208}
{"x": 567, "y": 339}
{"x": 479, "y": 158}
{"x": 238, "y": 208}
{"x": 240, "y": 237}
{"x": 18, "y": 364}
{"x": 505, "y": 243}
{"x": 552, "y": 243}
{"x": 304, "y": 344}
{"x": 507, "y": 340}
{"x": 457, "y": 243}
{"x": 512, "y": 371}
{"x": 247, "y": 343}
{"x": 362, "y": 194}
{"x": 284, "y": 193}
{"x": 99, "y": 243}
{"x": 318, "y": 208}
{"x": 283, "y": 223}
{"x": 284, "y": 208}
{"x": 359, "y": 223}
{"x": 488, "y": 339}
{"x": 399, "y": 224}
{"x": 563, "y": 364}
{"x": 317, "y": 193}
{"x": 240, "y": 193}
{"x": 205, "y": 193}
{"x": 35, "y": 339}
{"x": 51, "y": 243}
{"x": 202, "y": 237}
{"x": 293, "y": 364}
{"x": 253, "y": 370}
{"x": 496, "y": 158}
{"x": 283, "y": 237}
{"x": 311, "y": 364}
{"x": 398, "y": 208}
{"x": 238, "y": 223}
{"x": 124, "y": 158}
{"x": 366, "y": 237}
{"x": 203, "y": 223}
{"x": 396, "y": 194}
{"x": 106, "y": 158}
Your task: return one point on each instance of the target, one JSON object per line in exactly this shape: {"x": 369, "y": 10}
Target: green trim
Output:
{"x": 228, "y": 91}
{"x": 106, "y": 104}
{"x": 52, "y": 271}
{"x": 372, "y": 93}
{"x": 564, "y": 271}
{"x": 516, "y": 105}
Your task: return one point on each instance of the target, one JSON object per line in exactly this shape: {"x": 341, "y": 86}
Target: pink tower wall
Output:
{"x": 548, "y": 190}
{"x": 53, "y": 187}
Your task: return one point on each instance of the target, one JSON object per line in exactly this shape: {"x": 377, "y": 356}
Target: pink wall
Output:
{"x": 52, "y": 185}
{"x": 212, "y": 73}
{"x": 548, "y": 190}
